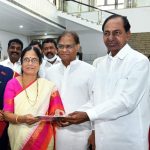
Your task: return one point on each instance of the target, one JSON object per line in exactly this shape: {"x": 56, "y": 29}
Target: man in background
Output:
{"x": 36, "y": 44}
{"x": 49, "y": 50}
{"x": 14, "y": 50}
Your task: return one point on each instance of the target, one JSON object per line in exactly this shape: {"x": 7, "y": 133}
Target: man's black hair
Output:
{"x": 124, "y": 18}
{"x": 15, "y": 41}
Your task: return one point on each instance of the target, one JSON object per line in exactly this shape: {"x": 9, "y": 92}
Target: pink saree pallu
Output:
{"x": 41, "y": 135}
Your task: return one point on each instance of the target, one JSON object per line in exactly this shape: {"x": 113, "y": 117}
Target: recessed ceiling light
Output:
{"x": 21, "y": 26}
{"x": 45, "y": 33}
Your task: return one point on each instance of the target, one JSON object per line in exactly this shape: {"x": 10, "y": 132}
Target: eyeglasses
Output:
{"x": 33, "y": 60}
{"x": 68, "y": 47}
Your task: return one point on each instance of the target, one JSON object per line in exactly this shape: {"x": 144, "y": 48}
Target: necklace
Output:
{"x": 30, "y": 101}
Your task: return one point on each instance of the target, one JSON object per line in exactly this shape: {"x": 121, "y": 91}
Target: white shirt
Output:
{"x": 46, "y": 65}
{"x": 16, "y": 66}
{"x": 98, "y": 60}
{"x": 121, "y": 102}
{"x": 74, "y": 84}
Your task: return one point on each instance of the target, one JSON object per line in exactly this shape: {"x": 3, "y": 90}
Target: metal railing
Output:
{"x": 83, "y": 10}
{"x": 136, "y": 3}
{"x": 117, "y": 4}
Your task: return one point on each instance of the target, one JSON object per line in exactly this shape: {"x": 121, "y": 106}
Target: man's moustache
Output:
{"x": 49, "y": 53}
{"x": 14, "y": 53}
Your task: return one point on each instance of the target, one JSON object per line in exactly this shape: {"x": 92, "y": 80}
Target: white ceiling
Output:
{"x": 11, "y": 18}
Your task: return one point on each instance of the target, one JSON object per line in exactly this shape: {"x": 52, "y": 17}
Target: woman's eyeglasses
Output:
{"x": 33, "y": 60}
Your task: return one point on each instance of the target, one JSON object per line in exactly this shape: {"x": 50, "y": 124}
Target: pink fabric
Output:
{"x": 47, "y": 131}
{"x": 12, "y": 89}
{"x": 40, "y": 140}
{"x": 55, "y": 103}
{"x": 44, "y": 134}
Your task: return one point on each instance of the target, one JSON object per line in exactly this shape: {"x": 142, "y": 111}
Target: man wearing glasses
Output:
{"x": 121, "y": 104}
{"x": 14, "y": 50}
{"x": 74, "y": 81}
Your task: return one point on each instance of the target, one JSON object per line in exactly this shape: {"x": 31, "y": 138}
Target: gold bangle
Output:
{"x": 17, "y": 119}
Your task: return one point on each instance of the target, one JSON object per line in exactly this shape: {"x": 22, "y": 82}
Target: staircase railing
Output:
{"x": 83, "y": 10}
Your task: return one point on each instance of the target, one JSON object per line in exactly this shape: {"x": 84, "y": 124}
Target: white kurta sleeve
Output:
{"x": 131, "y": 91}
{"x": 90, "y": 83}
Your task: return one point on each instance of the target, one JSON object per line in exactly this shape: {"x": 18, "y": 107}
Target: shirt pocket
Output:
{"x": 121, "y": 84}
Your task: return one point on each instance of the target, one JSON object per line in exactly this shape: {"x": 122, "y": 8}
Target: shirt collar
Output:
{"x": 56, "y": 58}
{"x": 122, "y": 53}
{"x": 51, "y": 59}
{"x": 8, "y": 61}
{"x": 72, "y": 63}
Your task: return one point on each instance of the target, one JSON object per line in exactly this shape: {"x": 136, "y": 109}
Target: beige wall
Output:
{"x": 141, "y": 42}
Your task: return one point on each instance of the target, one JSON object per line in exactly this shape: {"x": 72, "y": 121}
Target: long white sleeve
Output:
{"x": 128, "y": 93}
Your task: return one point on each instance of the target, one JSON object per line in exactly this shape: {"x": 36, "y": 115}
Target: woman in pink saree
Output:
{"x": 26, "y": 97}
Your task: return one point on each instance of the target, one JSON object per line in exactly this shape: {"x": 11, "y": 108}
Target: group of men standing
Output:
{"x": 107, "y": 107}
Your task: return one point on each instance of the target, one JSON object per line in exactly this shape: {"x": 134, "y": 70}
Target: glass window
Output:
{"x": 110, "y": 1}
{"x": 110, "y": 4}
{"x": 120, "y": 1}
{"x": 100, "y": 2}
{"x": 108, "y": 7}
{"x": 121, "y": 6}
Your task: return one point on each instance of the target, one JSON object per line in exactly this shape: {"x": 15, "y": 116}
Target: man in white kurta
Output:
{"x": 74, "y": 81}
{"x": 97, "y": 61}
{"x": 46, "y": 65}
{"x": 49, "y": 49}
{"x": 14, "y": 50}
{"x": 121, "y": 106}
{"x": 14, "y": 66}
